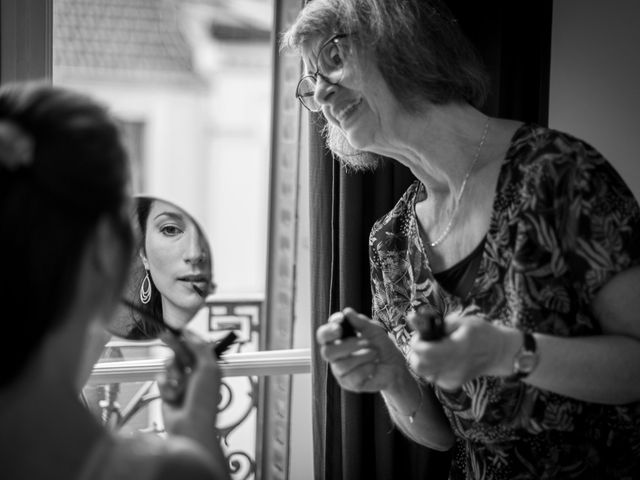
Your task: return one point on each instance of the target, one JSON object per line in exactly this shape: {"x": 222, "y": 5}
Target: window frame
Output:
{"x": 26, "y": 40}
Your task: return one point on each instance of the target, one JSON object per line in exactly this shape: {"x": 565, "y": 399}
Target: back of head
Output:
{"x": 62, "y": 168}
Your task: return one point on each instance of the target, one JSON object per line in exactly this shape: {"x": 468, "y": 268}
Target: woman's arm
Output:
{"x": 600, "y": 368}
{"x": 370, "y": 362}
{"x": 606, "y": 368}
{"x": 415, "y": 410}
{"x": 194, "y": 416}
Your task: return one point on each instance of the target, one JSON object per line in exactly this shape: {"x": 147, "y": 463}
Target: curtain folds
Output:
{"x": 353, "y": 437}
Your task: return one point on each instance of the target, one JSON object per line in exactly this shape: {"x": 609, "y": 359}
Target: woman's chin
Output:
{"x": 356, "y": 142}
{"x": 358, "y": 139}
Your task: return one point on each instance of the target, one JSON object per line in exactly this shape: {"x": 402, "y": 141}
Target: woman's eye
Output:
{"x": 170, "y": 230}
{"x": 332, "y": 58}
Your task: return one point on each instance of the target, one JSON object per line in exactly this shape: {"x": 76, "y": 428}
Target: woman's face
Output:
{"x": 360, "y": 104}
{"x": 179, "y": 262}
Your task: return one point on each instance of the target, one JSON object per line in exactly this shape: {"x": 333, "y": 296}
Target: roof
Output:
{"x": 239, "y": 20}
{"x": 120, "y": 36}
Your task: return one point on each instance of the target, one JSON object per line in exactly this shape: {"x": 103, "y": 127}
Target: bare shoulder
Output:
{"x": 187, "y": 460}
{"x": 154, "y": 458}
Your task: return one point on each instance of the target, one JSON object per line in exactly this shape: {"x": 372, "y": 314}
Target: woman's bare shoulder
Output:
{"x": 173, "y": 458}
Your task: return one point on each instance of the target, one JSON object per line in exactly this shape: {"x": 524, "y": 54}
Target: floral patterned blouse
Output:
{"x": 563, "y": 223}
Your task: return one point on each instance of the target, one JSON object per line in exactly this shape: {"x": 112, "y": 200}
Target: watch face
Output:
{"x": 526, "y": 362}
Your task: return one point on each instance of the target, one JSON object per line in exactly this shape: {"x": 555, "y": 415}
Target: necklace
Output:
{"x": 464, "y": 184}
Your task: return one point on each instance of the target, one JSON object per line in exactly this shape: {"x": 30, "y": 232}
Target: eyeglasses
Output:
{"x": 330, "y": 67}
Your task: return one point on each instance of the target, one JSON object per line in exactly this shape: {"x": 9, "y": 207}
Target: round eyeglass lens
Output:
{"x": 305, "y": 93}
{"x": 331, "y": 61}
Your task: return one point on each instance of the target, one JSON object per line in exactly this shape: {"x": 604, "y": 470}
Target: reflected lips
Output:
{"x": 203, "y": 280}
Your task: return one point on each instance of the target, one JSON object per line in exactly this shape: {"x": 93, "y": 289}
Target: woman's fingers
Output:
{"x": 365, "y": 362}
{"x": 347, "y": 364}
{"x": 356, "y": 376}
{"x": 339, "y": 349}
{"x": 360, "y": 322}
{"x": 333, "y": 330}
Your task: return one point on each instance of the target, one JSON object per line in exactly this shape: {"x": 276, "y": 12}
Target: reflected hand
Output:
{"x": 368, "y": 362}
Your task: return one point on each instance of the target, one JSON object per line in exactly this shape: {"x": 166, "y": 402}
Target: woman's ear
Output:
{"x": 108, "y": 255}
{"x": 142, "y": 256}
{"x": 103, "y": 268}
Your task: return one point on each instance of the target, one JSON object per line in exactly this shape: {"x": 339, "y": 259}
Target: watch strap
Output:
{"x": 529, "y": 347}
{"x": 529, "y": 342}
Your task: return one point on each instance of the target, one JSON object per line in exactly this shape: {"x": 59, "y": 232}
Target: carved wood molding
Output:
{"x": 274, "y": 411}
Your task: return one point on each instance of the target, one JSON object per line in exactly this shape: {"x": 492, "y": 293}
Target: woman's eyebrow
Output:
{"x": 174, "y": 215}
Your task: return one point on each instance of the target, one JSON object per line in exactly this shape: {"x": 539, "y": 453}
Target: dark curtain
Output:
{"x": 353, "y": 437}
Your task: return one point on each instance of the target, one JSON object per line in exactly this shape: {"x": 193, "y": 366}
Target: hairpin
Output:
{"x": 16, "y": 147}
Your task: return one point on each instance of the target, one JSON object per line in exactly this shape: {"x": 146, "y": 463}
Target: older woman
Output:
{"x": 523, "y": 238}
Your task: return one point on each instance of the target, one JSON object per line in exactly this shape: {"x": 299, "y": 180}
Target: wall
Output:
{"x": 595, "y": 78}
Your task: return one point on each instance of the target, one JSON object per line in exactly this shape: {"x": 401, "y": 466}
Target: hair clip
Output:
{"x": 16, "y": 147}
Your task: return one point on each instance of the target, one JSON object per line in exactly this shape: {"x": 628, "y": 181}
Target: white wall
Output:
{"x": 301, "y": 439}
{"x": 595, "y": 78}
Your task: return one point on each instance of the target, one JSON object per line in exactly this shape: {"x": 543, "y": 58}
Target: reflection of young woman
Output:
{"x": 176, "y": 260}
{"x": 65, "y": 246}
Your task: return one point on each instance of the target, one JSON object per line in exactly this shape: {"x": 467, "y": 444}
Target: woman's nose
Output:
{"x": 195, "y": 252}
{"x": 324, "y": 90}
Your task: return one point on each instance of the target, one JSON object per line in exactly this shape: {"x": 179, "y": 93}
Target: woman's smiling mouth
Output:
{"x": 345, "y": 112}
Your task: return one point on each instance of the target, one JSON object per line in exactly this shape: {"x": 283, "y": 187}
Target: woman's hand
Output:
{"x": 368, "y": 362}
{"x": 472, "y": 347}
{"x": 191, "y": 391}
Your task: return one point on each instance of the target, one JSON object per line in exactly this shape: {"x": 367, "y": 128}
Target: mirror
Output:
{"x": 170, "y": 276}
{"x": 171, "y": 271}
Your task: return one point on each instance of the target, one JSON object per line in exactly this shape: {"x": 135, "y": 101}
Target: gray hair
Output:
{"x": 417, "y": 45}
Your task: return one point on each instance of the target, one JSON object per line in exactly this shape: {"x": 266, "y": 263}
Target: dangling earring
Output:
{"x": 145, "y": 289}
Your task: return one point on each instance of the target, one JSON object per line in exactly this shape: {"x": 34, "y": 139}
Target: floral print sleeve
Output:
{"x": 563, "y": 223}
{"x": 578, "y": 224}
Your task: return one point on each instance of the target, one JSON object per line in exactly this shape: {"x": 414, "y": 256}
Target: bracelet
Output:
{"x": 413, "y": 414}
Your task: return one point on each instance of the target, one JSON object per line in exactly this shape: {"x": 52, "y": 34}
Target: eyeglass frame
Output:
{"x": 317, "y": 73}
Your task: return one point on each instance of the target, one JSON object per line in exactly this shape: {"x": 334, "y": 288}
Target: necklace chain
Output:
{"x": 464, "y": 184}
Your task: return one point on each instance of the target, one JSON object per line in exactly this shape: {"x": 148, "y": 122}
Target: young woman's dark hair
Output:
{"x": 147, "y": 317}
{"x": 62, "y": 169}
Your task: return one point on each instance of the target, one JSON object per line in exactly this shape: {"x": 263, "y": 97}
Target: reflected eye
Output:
{"x": 170, "y": 230}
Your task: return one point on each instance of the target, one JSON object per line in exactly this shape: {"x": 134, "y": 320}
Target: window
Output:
{"x": 209, "y": 119}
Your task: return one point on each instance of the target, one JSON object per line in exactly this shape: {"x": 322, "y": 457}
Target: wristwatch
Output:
{"x": 526, "y": 360}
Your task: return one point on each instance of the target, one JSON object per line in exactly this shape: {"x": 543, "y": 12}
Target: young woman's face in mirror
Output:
{"x": 178, "y": 260}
